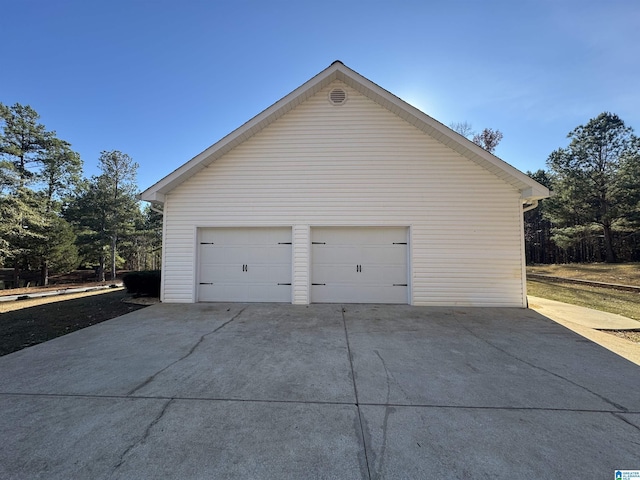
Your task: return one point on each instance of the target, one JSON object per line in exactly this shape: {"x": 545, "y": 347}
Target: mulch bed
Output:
{"x": 29, "y": 326}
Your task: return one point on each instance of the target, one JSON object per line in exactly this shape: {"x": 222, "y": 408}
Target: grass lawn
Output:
{"x": 604, "y": 299}
{"x": 621, "y": 273}
{"x": 28, "y": 322}
{"x": 598, "y": 298}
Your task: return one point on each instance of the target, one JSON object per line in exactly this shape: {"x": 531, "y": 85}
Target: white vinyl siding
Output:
{"x": 301, "y": 239}
{"x": 357, "y": 164}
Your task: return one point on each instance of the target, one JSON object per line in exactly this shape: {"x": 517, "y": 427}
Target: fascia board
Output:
{"x": 151, "y": 196}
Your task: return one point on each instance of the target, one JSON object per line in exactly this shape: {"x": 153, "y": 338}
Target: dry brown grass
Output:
{"x": 620, "y": 273}
{"x": 34, "y": 302}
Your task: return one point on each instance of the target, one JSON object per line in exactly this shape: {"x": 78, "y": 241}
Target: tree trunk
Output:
{"x": 114, "y": 240}
{"x": 610, "y": 255}
{"x": 16, "y": 274}
{"x": 44, "y": 273}
{"x": 100, "y": 272}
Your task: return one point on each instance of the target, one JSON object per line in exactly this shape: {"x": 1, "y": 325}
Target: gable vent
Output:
{"x": 337, "y": 96}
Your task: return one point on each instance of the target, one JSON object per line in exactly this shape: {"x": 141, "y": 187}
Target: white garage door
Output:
{"x": 359, "y": 265}
{"x": 244, "y": 265}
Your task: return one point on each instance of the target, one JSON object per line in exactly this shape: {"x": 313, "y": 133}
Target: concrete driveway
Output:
{"x": 324, "y": 391}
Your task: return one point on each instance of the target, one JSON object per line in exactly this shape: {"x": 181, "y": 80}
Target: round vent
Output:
{"x": 337, "y": 96}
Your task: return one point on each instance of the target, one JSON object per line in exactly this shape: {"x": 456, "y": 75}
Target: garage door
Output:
{"x": 244, "y": 265}
{"x": 359, "y": 265}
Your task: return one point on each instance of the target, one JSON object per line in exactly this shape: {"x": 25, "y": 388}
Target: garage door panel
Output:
{"x": 334, "y": 273}
{"x": 269, "y": 293}
{"x": 335, "y": 254}
{"x": 384, "y": 275}
{"x": 223, "y": 293}
{"x": 384, "y": 254}
{"x": 347, "y": 294}
{"x": 218, "y": 273}
{"x": 212, "y": 254}
{"x": 267, "y": 254}
{"x": 245, "y": 264}
{"x": 266, "y": 274}
{"x": 359, "y": 235}
{"x": 359, "y": 265}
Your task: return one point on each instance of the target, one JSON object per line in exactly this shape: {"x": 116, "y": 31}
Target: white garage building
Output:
{"x": 342, "y": 192}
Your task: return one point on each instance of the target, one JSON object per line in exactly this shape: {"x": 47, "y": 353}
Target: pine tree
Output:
{"x": 596, "y": 181}
{"x": 23, "y": 139}
{"x": 107, "y": 209}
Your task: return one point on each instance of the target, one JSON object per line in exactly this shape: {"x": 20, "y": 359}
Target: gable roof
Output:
{"x": 530, "y": 190}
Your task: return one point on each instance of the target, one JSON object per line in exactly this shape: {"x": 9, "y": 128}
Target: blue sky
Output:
{"x": 162, "y": 80}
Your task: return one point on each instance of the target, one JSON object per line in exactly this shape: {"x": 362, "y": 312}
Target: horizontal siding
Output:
{"x": 359, "y": 164}
{"x": 178, "y": 266}
{"x": 301, "y": 242}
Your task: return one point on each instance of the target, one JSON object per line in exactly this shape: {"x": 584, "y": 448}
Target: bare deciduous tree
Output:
{"x": 488, "y": 139}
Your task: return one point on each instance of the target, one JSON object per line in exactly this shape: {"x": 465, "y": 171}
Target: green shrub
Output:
{"x": 143, "y": 283}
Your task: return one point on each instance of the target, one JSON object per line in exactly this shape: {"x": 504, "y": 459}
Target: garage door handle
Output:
{"x": 399, "y": 284}
{"x": 245, "y": 268}
{"x": 359, "y": 268}
{"x": 318, "y": 243}
{"x": 203, "y": 283}
{"x": 318, "y": 284}
{"x": 399, "y": 243}
{"x": 284, "y": 284}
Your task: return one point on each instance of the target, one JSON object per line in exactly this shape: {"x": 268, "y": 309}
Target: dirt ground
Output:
{"x": 24, "y": 323}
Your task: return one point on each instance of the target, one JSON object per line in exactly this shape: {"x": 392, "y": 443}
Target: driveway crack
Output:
{"x": 628, "y": 422}
{"x": 144, "y": 436}
{"x": 365, "y": 473}
{"x": 189, "y": 353}
{"x": 622, "y": 408}
{"x": 388, "y": 410}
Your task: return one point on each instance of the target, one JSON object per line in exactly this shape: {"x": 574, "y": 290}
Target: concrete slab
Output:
{"x": 114, "y": 357}
{"x": 435, "y": 442}
{"x": 115, "y": 438}
{"x": 588, "y": 323}
{"x": 57, "y": 437}
{"x": 268, "y": 352}
{"x": 583, "y": 316}
{"x": 504, "y": 358}
{"x": 269, "y": 391}
{"x": 250, "y": 440}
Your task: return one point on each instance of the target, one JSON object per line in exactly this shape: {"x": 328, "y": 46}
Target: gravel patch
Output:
{"x": 631, "y": 335}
